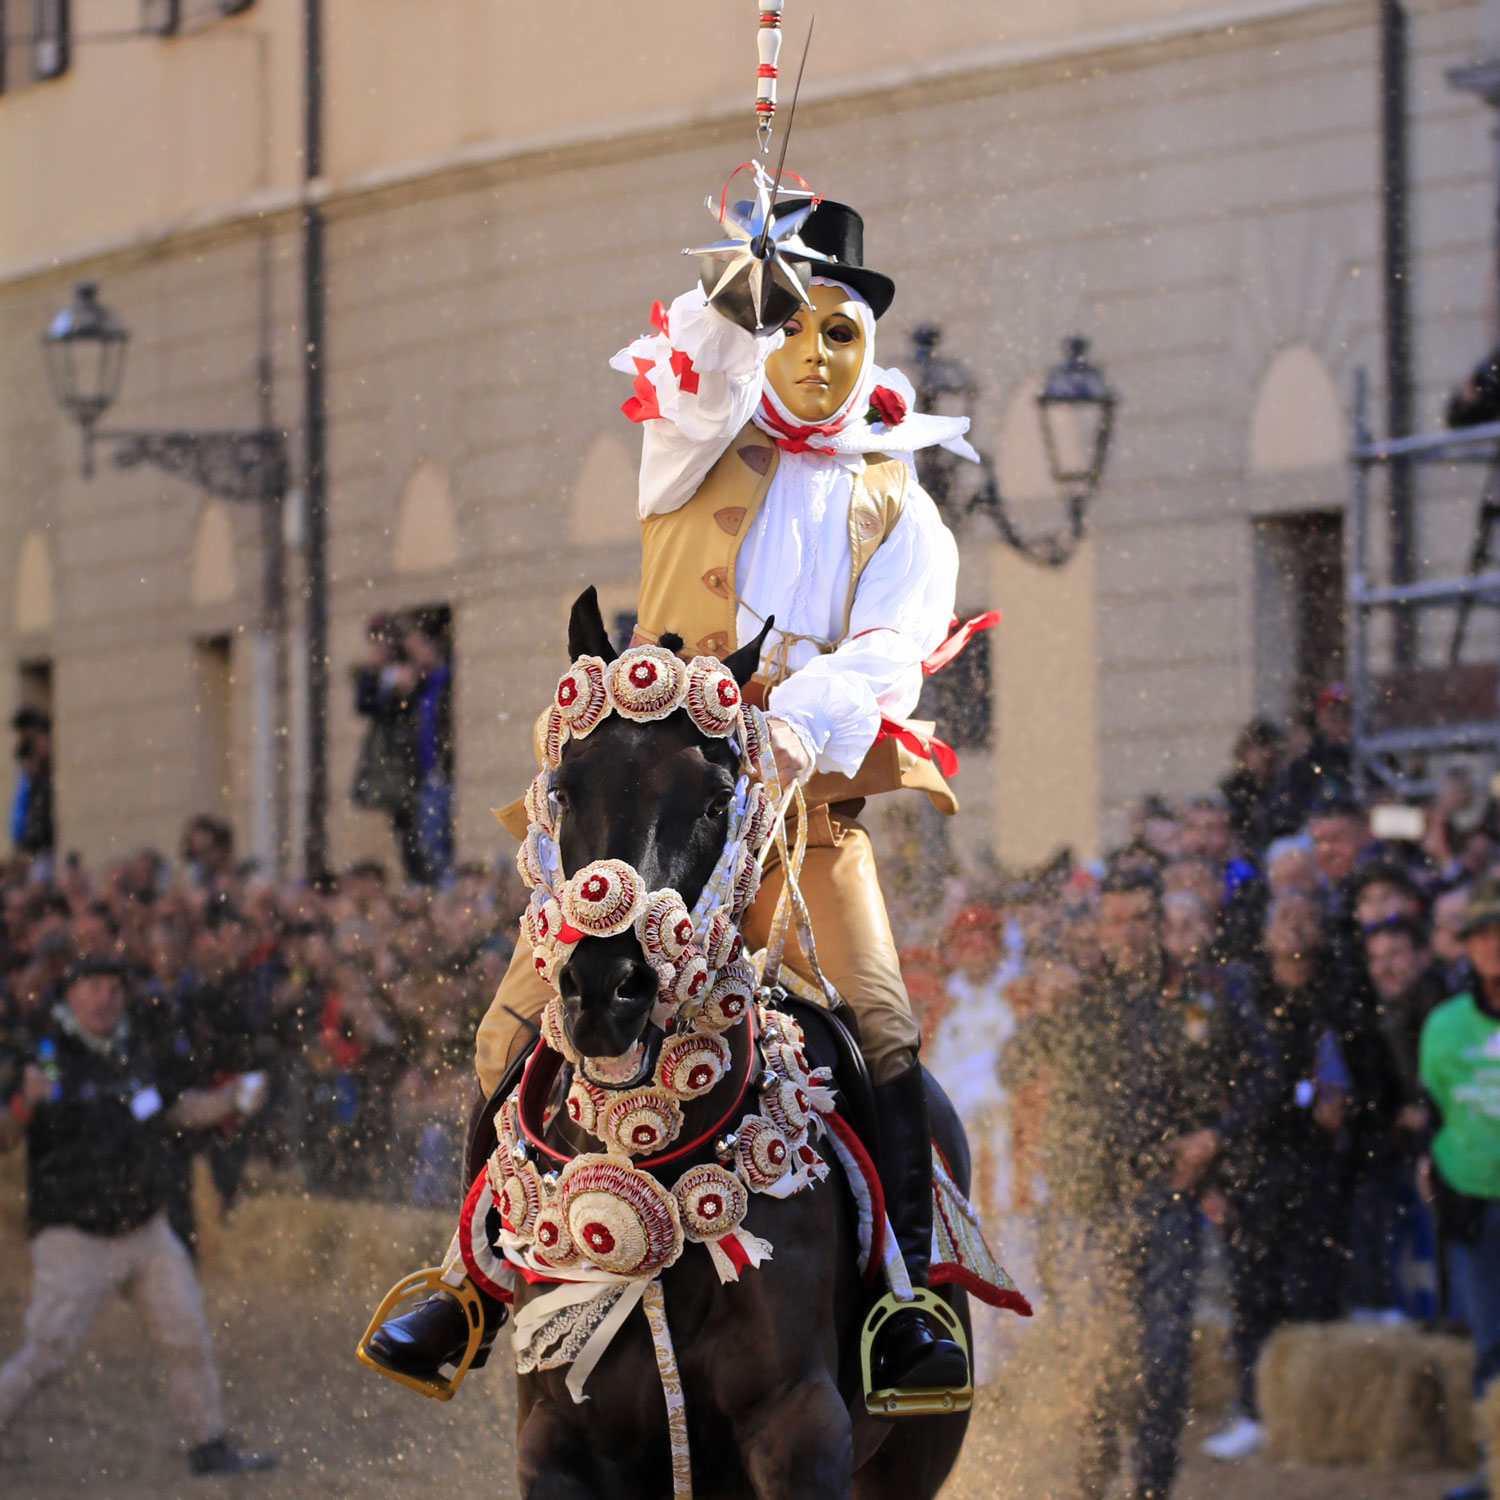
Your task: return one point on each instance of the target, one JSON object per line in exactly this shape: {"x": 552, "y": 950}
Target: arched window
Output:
{"x": 426, "y": 528}
{"x": 1297, "y": 422}
{"x": 34, "y": 608}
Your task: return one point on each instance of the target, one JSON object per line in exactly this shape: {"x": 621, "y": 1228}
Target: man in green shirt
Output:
{"x": 1460, "y": 1068}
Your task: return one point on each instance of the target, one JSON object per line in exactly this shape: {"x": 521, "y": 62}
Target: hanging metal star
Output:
{"x": 760, "y": 274}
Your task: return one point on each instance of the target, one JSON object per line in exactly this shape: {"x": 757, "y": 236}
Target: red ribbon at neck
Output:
{"x": 797, "y": 437}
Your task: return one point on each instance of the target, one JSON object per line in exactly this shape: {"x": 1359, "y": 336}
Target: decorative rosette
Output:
{"x": 529, "y": 862}
{"x": 754, "y": 736}
{"x": 664, "y": 928}
{"x": 761, "y": 1152}
{"x": 691, "y": 1065}
{"x": 785, "y": 1103}
{"x": 554, "y": 1244}
{"x": 640, "y": 1123}
{"x": 713, "y": 697}
{"x": 759, "y": 813}
{"x": 646, "y": 683}
{"x": 548, "y": 960}
{"x": 507, "y": 1128}
{"x": 728, "y": 998}
{"x": 538, "y": 802}
{"x": 550, "y": 735}
{"x": 542, "y": 920}
{"x": 584, "y": 1102}
{"x": 721, "y": 939}
{"x": 603, "y": 898}
{"x": 692, "y": 977}
{"x": 580, "y": 698}
{"x": 519, "y": 1196}
{"x": 621, "y": 1219}
{"x": 712, "y": 1202}
{"x": 746, "y": 880}
{"x": 553, "y": 1033}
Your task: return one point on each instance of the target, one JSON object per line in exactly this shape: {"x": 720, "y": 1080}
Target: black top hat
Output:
{"x": 838, "y": 232}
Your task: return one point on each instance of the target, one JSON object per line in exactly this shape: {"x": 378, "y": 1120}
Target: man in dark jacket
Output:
{"x": 31, "y": 828}
{"x": 98, "y": 1123}
{"x": 1154, "y": 1075}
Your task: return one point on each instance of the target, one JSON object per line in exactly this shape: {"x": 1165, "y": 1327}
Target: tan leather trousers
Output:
{"x": 850, "y": 929}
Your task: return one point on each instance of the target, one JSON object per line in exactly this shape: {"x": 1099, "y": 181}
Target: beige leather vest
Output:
{"x": 687, "y": 586}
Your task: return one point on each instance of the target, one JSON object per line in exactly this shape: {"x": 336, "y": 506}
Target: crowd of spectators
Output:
{"x": 355, "y": 1000}
{"x": 1240, "y": 1021}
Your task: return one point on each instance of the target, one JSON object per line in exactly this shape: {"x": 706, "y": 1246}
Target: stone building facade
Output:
{"x": 1195, "y": 188}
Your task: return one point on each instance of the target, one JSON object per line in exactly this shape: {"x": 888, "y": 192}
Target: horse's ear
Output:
{"x": 586, "y": 633}
{"x": 743, "y": 663}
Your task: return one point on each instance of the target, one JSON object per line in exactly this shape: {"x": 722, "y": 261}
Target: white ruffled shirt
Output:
{"x": 794, "y": 562}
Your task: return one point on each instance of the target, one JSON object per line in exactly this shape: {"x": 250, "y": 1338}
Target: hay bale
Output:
{"x": 1389, "y": 1398}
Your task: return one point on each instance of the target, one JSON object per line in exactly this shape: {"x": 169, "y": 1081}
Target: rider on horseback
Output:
{"x": 776, "y": 480}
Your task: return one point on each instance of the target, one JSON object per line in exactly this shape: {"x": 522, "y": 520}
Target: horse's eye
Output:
{"x": 719, "y": 806}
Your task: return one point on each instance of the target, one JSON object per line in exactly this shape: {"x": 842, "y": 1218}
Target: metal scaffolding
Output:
{"x": 1396, "y": 758}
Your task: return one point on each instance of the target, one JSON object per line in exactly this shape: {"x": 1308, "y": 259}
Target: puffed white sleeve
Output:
{"x": 697, "y": 382}
{"x": 903, "y": 607}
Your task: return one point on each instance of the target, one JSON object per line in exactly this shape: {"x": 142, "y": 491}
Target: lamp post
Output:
{"x": 85, "y": 347}
{"x": 1076, "y": 408}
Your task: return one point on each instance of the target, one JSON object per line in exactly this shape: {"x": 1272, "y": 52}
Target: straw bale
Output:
{"x": 1390, "y": 1398}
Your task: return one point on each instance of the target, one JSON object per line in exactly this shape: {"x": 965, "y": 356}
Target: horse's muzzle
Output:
{"x": 608, "y": 990}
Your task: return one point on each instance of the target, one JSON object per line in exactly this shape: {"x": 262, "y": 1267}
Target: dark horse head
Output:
{"x": 656, "y": 795}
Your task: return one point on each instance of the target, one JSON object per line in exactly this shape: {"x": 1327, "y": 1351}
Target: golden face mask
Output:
{"x": 814, "y": 371}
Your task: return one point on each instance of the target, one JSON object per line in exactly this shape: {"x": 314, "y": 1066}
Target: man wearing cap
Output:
{"x": 97, "y": 1126}
{"x": 1460, "y": 1067}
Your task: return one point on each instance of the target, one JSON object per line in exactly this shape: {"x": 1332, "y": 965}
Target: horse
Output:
{"x": 768, "y": 1364}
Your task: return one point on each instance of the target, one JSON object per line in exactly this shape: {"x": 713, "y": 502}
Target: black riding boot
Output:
{"x": 912, "y": 1350}
{"x": 433, "y": 1334}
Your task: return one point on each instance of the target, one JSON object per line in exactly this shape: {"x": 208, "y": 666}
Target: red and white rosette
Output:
{"x": 729, "y": 997}
{"x": 787, "y": 1105}
{"x": 529, "y": 862}
{"x": 603, "y": 898}
{"x": 620, "y": 1219}
{"x": 712, "y": 1202}
{"x": 518, "y": 1195}
{"x": 746, "y": 881}
{"x": 538, "y": 803}
{"x": 646, "y": 683}
{"x": 554, "y": 1035}
{"x": 640, "y": 1123}
{"x": 713, "y": 697}
{"x": 507, "y": 1127}
{"x": 721, "y": 939}
{"x": 580, "y": 698}
{"x": 754, "y": 736}
{"x": 761, "y": 1152}
{"x": 584, "y": 1102}
{"x": 759, "y": 812}
{"x": 691, "y": 1065}
{"x": 692, "y": 978}
{"x": 549, "y": 736}
{"x": 664, "y": 928}
{"x": 552, "y": 1244}
{"x": 542, "y": 921}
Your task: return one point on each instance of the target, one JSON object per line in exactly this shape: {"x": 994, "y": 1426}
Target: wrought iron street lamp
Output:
{"x": 1076, "y": 408}
{"x": 85, "y": 346}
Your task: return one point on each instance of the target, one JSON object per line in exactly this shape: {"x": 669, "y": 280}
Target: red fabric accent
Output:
{"x": 959, "y": 639}
{"x": 566, "y": 934}
{"x": 687, "y": 376}
{"x": 932, "y": 748}
{"x": 952, "y": 1274}
{"x": 890, "y": 406}
{"x": 801, "y": 182}
{"x": 797, "y": 437}
{"x": 659, "y": 319}
{"x": 466, "y": 1243}
{"x": 766, "y": 70}
{"x": 732, "y": 1247}
{"x": 856, "y": 1148}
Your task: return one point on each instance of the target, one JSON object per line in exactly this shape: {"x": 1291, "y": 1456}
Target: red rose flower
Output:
{"x": 887, "y": 406}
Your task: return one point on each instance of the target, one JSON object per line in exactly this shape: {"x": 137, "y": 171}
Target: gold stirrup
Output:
{"x": 927, "y": 1401}
{"x": 439, "y": 1387}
